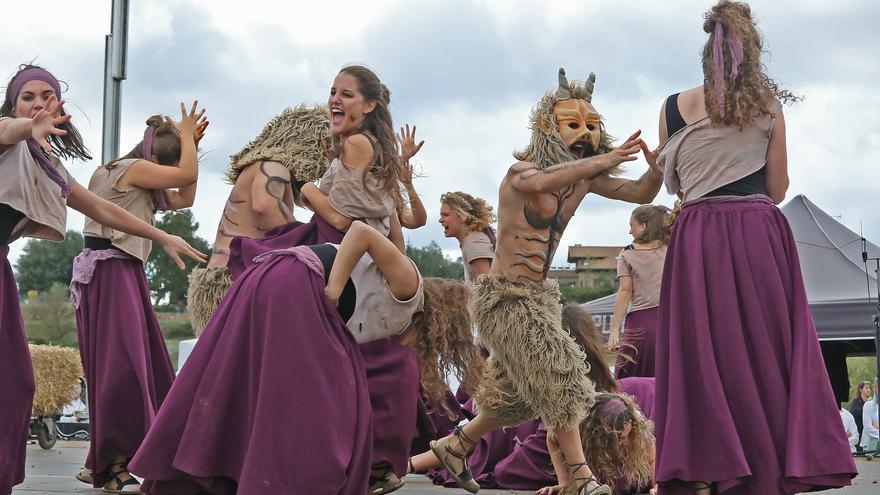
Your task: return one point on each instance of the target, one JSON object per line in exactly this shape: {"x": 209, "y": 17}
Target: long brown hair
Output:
{"x": 166, "y": 143}
{"x": 655, "y": 218}
{"x": 735, "y": 85}
{"x": 445, "y": 341}
{"x": 379, "y": 129}
{"x": 67, "y": 146}
{"x": 578, "y": 322}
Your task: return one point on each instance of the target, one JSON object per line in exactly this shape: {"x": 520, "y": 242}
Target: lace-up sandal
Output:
{"x": 84, "y": 475}
{"x": 383, "y": 480}
{"x": 582, "y": 483}
{"x": 456, "y": 464}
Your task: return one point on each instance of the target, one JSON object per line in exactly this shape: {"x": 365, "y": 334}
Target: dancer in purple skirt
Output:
{"x": 734, "y": 326}
{"x": 34, "y": 195}
{"x": 639, "y": 270}
{"x": 283, "y": 343}
{"x": 126, "y": 363}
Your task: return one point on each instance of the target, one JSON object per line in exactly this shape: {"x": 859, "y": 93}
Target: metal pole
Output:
{"x": 115, "y": 48}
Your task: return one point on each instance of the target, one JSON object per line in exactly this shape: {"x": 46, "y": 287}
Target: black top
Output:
{"x": 96, "y": 243}
{"x": 9, "y": 218}
{"x": 855, "y": 408}
{"x": 348, "y": 299}
{"x": 754, "y": 183}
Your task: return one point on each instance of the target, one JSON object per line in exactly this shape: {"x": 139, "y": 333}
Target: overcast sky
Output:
{"x": 467, "y": 73}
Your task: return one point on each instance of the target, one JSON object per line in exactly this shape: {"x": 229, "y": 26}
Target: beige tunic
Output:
{"x": 700, "y": 158}
{"x": 345, "y": 189}
{"x": 475, "y": 246}
{"x": 645, "y": 266}
{"x": 136, "y": 200}
{"x": 377, "y": 313}
{"x": 26, "y": 188}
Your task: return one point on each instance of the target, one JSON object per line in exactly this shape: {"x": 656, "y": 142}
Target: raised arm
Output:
{"x": 271, "y": 196}
{"x": 44, "y": 124}
{"x": 115, "y": 217}
{"x": 415, "y": 216}
{"x": 525, "y": 177}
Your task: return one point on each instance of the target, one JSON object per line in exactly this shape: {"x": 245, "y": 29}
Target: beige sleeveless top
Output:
{"x": 345, "y": 188}
{"x": 136, "y": 200}
{"x": 700, "y": 158}
{"x": 645, "y": 266}
{"x": 29, "y": 190}
{"x": 475, "y": 246}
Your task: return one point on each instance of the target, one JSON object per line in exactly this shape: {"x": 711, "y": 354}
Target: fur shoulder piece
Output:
{"x": 298, "y": 138}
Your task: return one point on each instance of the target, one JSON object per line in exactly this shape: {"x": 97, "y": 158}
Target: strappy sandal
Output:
{"x": 410, "y": 468}
{"x": 85, "y": 475}
{"x": 582, "y": 483}
{"x": 385, "y": 481}
{"x": 129, "y": 486}
{"x": 456, "y": 464}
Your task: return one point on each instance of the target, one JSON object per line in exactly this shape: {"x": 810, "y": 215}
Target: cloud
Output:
{"x": 467, "y": 73}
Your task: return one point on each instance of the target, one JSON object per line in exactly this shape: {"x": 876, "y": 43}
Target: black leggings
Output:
{"x": 347, "y": 300}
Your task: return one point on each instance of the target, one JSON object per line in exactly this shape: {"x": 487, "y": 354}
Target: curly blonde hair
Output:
{"x": 546, "y": 147}
{"x": 736, "y": 87}
{"x": 476, "y": 213}
{"x": 445, "y": 342}
{"x": 600, "y": 435}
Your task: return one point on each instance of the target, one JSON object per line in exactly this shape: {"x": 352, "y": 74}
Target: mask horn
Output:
{"x": 588, "y": 86}
{"x": 563, "y": 93}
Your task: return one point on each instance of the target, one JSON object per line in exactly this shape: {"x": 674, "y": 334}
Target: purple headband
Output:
{"x": 612, "y": 408}
{"x": 491, "y": 235}
{"x": 33, "y": 74}
{"x": 735, "y": 47}
{"x": 158, "y": 195}
{"x": 37, "y": 152}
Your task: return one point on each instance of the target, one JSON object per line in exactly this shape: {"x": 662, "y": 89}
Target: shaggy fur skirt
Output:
{"x": 535, "y": 368}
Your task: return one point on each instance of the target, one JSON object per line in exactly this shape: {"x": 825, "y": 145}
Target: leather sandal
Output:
{"x": 582, "y": 482}
{"x": 129, "y": 486}
{"x": 383, "y": 480}
{"x": 85, "y": 475}
{"x": 456, "y": 464}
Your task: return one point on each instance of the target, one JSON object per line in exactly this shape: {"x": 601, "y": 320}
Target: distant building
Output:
{"x": 566, "y": 276}
{"x": 595, "y": 266}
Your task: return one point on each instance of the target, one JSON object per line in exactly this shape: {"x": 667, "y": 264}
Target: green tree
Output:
{"x": 433, "y": 263}
{"x": 45, "y": 263}
{"x": 584, "y": 294}
{"x": 49, "y": 318}
{"x": 167, "y": 282}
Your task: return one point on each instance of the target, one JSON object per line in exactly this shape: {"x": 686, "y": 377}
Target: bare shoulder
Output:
{"x": 357, "y": 151}
{"x": 520, "y": 167}
{"x": 274, "y": 169}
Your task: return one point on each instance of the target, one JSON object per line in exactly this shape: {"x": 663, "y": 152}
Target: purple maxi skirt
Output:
{"x": 16, "y": 381}
{"x": 743, "y": 399}
{"x": 127, "y": 366}
{"x": 272, "y": 400}
{"x": 392, "y": 369}
{"x": 638, "y": 342}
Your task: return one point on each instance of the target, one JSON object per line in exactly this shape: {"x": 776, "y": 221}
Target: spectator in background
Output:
{"x": 863, "y": 394}
{"x": 849, "y": 425}
{"x": 871, "y": 423}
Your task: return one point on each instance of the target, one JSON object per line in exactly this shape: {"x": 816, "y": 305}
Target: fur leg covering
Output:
{"x": 207, "y": 286}
{"x": 536, "y": 368}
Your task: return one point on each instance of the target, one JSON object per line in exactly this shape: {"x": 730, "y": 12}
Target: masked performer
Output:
{"x": 639, "y": 269}
{"x": 260, "y": 354}
{"x": 34, "y": 195}
{"x": 535, "y": 368}
{"x": 734, "y": 325}
{"x": 123, "y": 352}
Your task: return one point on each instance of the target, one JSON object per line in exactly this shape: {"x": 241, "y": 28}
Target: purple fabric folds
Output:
{"x": 743, "y": 399}
{"x": 84, "y": 269}
{"x": 272, "y": 400}
{"x": 638, "y": 343}
{"x": 126, "y": 363}
{"x": 16, "y": 381}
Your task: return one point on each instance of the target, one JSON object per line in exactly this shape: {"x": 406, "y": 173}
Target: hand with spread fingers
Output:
{"x": 46, "y": 121}
{"x": 407, "y": 140}
{"x": 190, "y": 122}
{"x": 175, "y": 246}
